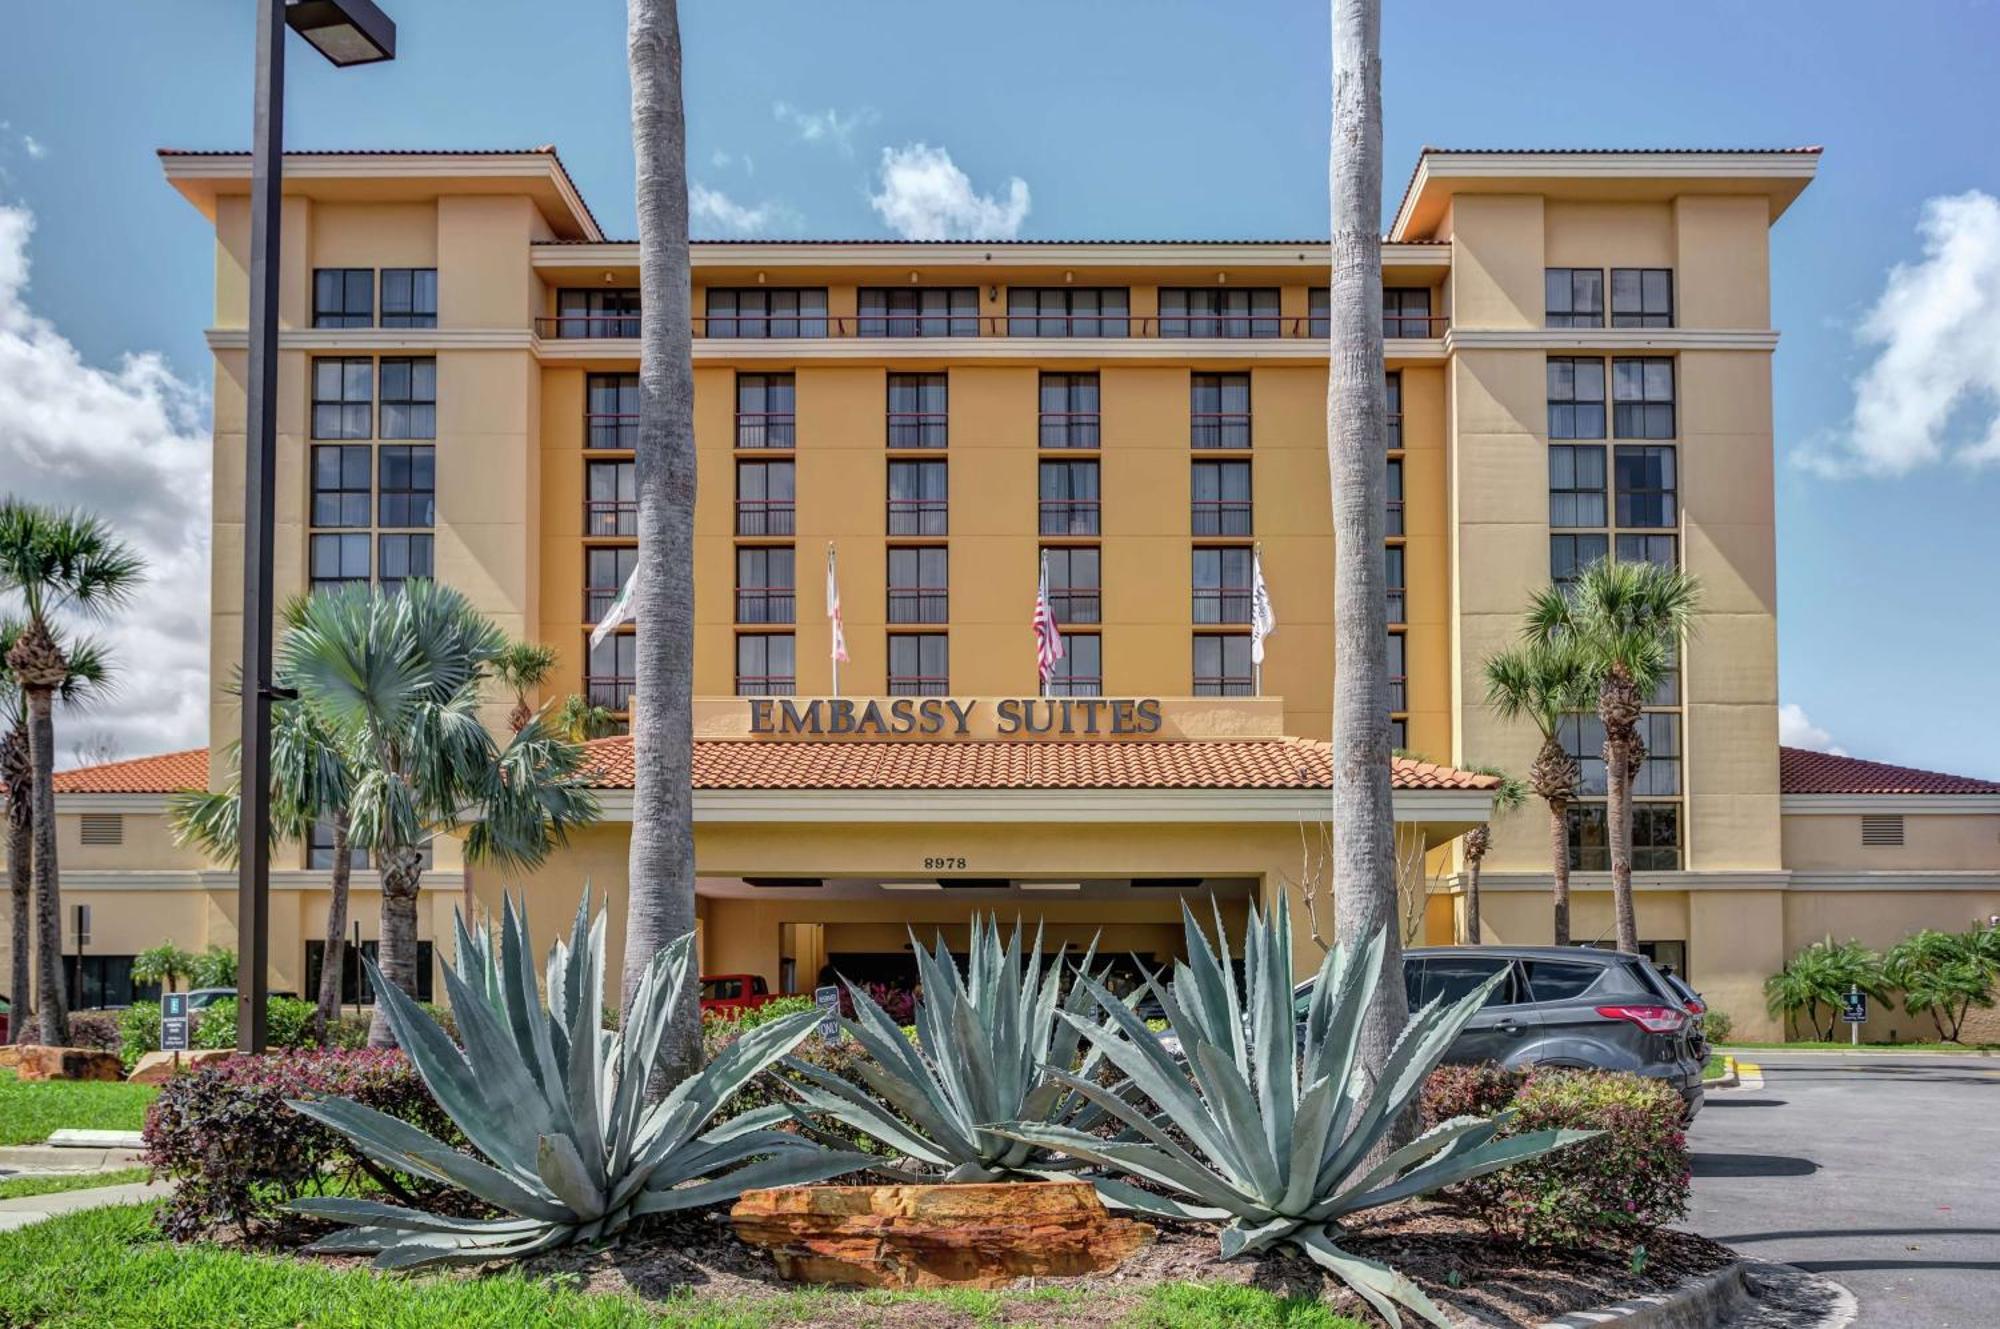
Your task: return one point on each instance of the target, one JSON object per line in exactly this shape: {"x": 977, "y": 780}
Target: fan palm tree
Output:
{"x": 1508, "y": 796}
{"x": 1364, "y": 862}
{"x": 1627, "y": 620}
{"x": 520, "y": 668}
{"x": 58, "y": 563}
{"x": 662, "y": 855}
{"x": 393, "y": 679}
{"x": 1543, "y": 683}
{"x": 581, "y": 721}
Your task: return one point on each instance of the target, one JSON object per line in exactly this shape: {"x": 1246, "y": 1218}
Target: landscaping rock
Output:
{"x": 981, "y": 1235}
{"x": 33, "y": 1062}
{"x": 156, "y": 1067}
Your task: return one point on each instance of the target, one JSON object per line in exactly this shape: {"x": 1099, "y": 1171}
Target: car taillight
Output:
{"x": 1696, "y": 1006}
{"x": 1653, "y": 1019}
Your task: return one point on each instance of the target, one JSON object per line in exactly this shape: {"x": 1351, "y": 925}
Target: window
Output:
{"x": 319, "y": 849}
{"x": 1068, "y": 311}
{"x": 919, "y": 664}
{"x": 103, "y": 980}
{"x": 611, "y": 411}
{"x": 597, "y": 313}
{"x": 1069, "y": 504}
{"x": 1646, "y": 488}
{"x": 1449, "y": 978}
{"x": 1576, "y": 484}
{"x": 1656, "y": 837}
{"x": 917, "y": 498}
{"x": 1221, "y": 498}
{"x": 1576, "y": 397}
{"x": 1642, "y": 390}
{"x": 1582, "y": 737}
{"x": 1561, "y": 980}
{"x": 408, "y": 488}
{"x": 409, "y": 398}
{"x": 610, "y": 678}
{"x": 918, "y": 410}
{"x": 1660, "y": 774}
{"x": 1080, "y": 673}
{"x": 605, "y": 572}
{"x": 919, "y": 311}
{"x": 1406, "y": 311}
{"x": 343, "y": 398}
{"x": 1667, "y": 692}
{"x": 1569, "y": 555}
{"x": 611, "y": 498}
{"x": 409, "y": 297}
{"x": 919, "y": 586}
{"x": 403, "y": 557}
{"x": 766, "y": 586}
{"x": 1069, "y": 416}
{"x": 339, "y": 560}
{"x": 1222, "y": 585}
{"x": 1222, "y": 665}
{"x": 355, "y": 989}
{"x": 1219, "y": 411}
{"x": 1392, "y": 392}
{"x": 1075, "y": 588}
{"x": 1399, "y": 679}
{"x": 766, "y": 664}
{"x": 101, "y": 828}
{"x": 1881, "y": 832}
{"x": 1642, "y": 297}
{"x": 343, "y": 297}
{"x": 1392, "y": 519}
{"x": 766, "y": 411}
{"x": 1319, "y": 311}
{"x": 764, "y": 497}
{"x": 1399, "y": 734}
{"x": 1661, "y": 550}
{"x": 756, "y": 311}
{"x": 1392, "y": 586}
{"x": 340, "y": 484}
{"x": 1205, "y": 311}
{"x": 1573, "y": 297}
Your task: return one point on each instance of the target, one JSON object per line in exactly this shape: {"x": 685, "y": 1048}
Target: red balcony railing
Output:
{"x": 918, "y": 429}
{"x": 919, "y": 685}
{"x": 1069, "y": 429}
{"x": 918, "y": 516}
{"x": 1076, "y": 604}
{"x": 795, "y": 327}
{"x": 1069, "y": 516}
{"x": 766, "y": 685}
{"x": 1223, "y": 685}
{"x": 609, "y": 516}
{"x": 1220, "y": 516}
{"x": 1219, "y": 429}
{"x": 1393, "y": 519}
{"x": 764, "y": 516}
{"x": 593, "y": 327}
{"x": 766, "y": 429}
{"x": 919, "y": 604}
{"x": 1222, "y": 604}
{"x": 612, "y": 430}
{"x": 765, "y": 604}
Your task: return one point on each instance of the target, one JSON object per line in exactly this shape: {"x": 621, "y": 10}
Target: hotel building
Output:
{"x": 1579, "y": 366}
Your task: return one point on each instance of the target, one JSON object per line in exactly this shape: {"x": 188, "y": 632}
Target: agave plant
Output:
{"x": 1279, "y": 1120}
{"x": 557, "y": 1106}
{"x": 981, "y": 1055}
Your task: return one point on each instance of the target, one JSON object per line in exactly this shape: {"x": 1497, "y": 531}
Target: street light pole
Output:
{"x": 345, "y": 32}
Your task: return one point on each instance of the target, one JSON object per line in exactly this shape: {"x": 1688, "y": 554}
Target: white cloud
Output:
{"x": 829, "y": 126}
{"x": 35, "y": 147}
{"x": 1932, "y": 392}
{"x": 724, "y": 213}
{"x": 722, "y": 160}
{"x": 925, "y": 196}
{"x": 129, "y": 444}
{"x": 1796, "y": 730}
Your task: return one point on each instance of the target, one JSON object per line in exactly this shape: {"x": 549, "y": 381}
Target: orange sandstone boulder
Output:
{"x": 159, "y": 1067}
{"x": 977, "y": 1235}
{"x": 31, "y": 1061}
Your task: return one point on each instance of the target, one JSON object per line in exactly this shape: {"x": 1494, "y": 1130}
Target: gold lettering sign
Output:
{"x": 952, "y": 717}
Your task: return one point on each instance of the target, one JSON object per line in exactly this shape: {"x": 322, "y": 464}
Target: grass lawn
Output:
{"x": 21, "y": 1188}
{"x": 28, "y": 1112}
{"x": 1842, "y": 1045}
{"x": 1713, "y": 1068}
{"x": 109, "y": 1267}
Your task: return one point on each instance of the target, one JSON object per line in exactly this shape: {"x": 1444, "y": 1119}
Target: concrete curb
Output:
{"x": 1696, "y": 1304}
{"x": 1729, "y": 1079}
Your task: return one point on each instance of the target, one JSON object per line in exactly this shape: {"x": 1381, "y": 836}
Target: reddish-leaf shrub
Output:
{"x": 95, "y": 1029}
{"x": 1607, "y": 1191}
{"x": 236, "y": 1154}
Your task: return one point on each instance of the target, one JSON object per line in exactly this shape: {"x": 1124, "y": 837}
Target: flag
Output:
{"x": 1048, "y": 637}
{"x": 620, "y": 611}
{"x": 833, "y": 609}
{"x": 1263, "y": 622}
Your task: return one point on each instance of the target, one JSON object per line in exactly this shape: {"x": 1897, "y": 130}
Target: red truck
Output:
{"x": 726, "y": 994}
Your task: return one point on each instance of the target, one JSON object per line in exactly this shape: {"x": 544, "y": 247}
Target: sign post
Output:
{"x": 1854, "y": 1010}
{"x": 174, "y": 1024}
{"x": 828, "y": 1001}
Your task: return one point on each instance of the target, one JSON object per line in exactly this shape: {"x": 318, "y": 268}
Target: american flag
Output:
{"x": 1048, "y": 637}
{"x": 833, "y": 609}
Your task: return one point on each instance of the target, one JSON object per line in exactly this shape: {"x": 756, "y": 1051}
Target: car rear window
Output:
{"x": 1448, "y": 978}
{"x": 1561, "y": 980}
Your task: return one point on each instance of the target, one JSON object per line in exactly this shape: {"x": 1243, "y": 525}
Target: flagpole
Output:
{"x": 1256, "y": 576}
{"x": 832, "y": 590}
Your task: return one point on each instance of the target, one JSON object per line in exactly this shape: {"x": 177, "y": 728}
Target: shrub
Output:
{"x": 94, "y": 1029}
{"x": 236, "y": 1153}
{"x": 1469, "y": 1091}
{"x": 138, "y": 1032}
{"x": 750, "y": 1017}
{"x": 1717, "y": 1026}
{"x": 349, "y": 1031}
{"x": 1606, "y": 1191}
{"x": 288, "y": 1023}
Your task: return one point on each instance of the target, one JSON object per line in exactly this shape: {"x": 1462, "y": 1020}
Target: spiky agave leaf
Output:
{"x": 1278, "y": 1119}
{"x": 556, "y": 1106}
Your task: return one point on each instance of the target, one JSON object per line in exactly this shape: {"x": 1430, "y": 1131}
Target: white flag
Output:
{"x": 1263, "y": 621}
{"x": 833, "y": 610}
{"x": 620, "y": 612}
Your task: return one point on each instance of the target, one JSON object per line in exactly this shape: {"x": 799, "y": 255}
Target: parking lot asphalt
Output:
{"x": 1880, "y": 1172}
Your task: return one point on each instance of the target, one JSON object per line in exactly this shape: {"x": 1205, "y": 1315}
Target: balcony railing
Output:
{"x": 593, "y": 327}
{"x": 1096, "y": 327}
{"x": 1076, "y": 605}
{"x": 1069, "y": 429}
{"x": 919, "y": 604}
{"x": 919, "y": 685}
{"x": 1393, "y": 519}
{"x": 918, "y": 516}
{"x": 602, "y": 430}
{"x": 1075, "y": 685}
{"x": 766, "y": 685}
{"x": 764, "y": 516}
{"x": 1222, "y": 604}
{"x": 766, "y": 429}
{"x": 1394, "y": 598}
{"x": 1223, "y": 685}
{"x": 766, "y": 604}
{"x": 918, "y": 429}
{"x": 1219, "y": 429}
{"x": 1399, "y": 690}
{"x": 610, "y": 516}
{"x": 1220, "y": 516}
{"x": 597, "y": 602}
{"x": 611, "y": 691}
{"x": 1069, "y": 516}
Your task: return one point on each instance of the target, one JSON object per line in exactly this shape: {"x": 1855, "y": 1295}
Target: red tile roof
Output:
{"x": 1804, "y": 772}
{"x": 166, "y": 773}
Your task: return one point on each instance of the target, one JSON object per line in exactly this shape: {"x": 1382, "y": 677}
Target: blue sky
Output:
{"x": 1178, "y": 119}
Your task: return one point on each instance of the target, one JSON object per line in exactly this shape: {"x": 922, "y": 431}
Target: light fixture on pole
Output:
{"x": 346, "y": 32}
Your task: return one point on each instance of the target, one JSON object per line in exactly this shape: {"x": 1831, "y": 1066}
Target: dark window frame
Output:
{"x": 1560, "y": 290}
{"x": 1221, "y": 578}
{"x": 1644, "y": 413}
{"x": 414, "y": 551}
{"x": 352, "y": 503}
{"x": 921, "y": 429}
{"x": 333, "y": 297}
{"x": 767, "y": 516}
{"x": 1065, "y": 320}
{"x": 905, "y": 311}
{"x": 1067, "y": 679}
{"x": 1223, "y": 515}
{"x": 918, "y": 583}
{"x": 767, "y": 585}
{"x": 1074, "y": 600}
{"x": 598, "y": 313}
{"x": 416, "y": 303}
{"x": 1573, "y": 412}
{"x": 354, "y": 416}
{"x": 1573, "y": 500}
{"x": 770, "y": 426}
{"x": 1653, "y": 503}
{"x": 1064, "y": 508}
{"x": 1653, "y": 289}
{"x": 615, "y": 430}
{"x": 616, "y": 514}
{"x": 766, "y": 681}
{"x": 1224, "y": 680}
{"x": 409, "y": 505}
{"x": 921, "y": 515}
{"x": 612, "y": 690}
{"x": 345, "y": 543}
{"x": 1069, "y": 427}
{"x": 1217, "y": 428}
{"x": 924, "y": 681}
{"x": 1208, "y": 312}
{"x": 761, "y": 312}
{"x": 598, "y": 596}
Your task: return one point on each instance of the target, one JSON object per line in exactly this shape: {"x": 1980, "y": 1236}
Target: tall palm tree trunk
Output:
{"x": 21, "y": 888}
{"x": 1618, "y": 706}
{"x": 396, "y": 955}
{"x": 1477, "y": 840}
{"x": 1364, "y": 859}
{"x": 53, "y": 1010}
{"x": 335, "y": 958}
{"x": 662, "y": 857}
{"x": 1559, "y": 867}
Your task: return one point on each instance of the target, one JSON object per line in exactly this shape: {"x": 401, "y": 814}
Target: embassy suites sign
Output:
{"x": 955, "y": 717}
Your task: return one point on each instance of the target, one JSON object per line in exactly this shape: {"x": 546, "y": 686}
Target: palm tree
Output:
{"x": 1364, "y": 861}
{"x": 394, "y": 680}
{"x": 57, "y": 562}
{"x": 581, "y": 721}
{"x": 1543, "y": 684}
{"x": 662, "y": 855}
{"x": 1817, "y": 977}
{"x": 522, "y": 667}
{"x": 1508, "y": 796}
{"x": 1627, "y": 620}
{"x": 164, "y": 964}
